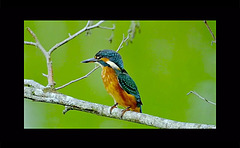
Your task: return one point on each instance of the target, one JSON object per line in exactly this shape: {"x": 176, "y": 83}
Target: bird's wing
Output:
{"x": 127, "y": 84}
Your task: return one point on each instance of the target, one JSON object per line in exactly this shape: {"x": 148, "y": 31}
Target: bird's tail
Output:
{"x": 140, "y": 109}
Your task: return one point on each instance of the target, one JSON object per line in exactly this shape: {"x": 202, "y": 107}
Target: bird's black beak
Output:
{"x": 89, "y": 60}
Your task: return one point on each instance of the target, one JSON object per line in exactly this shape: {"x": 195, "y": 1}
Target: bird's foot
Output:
{"x": 123, "y": 111}
{"x": 114, "y": 106}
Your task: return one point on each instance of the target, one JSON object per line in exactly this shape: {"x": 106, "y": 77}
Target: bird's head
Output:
{"x": 108, "y": 58}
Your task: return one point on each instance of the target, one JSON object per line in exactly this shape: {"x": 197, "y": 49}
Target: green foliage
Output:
{"x": 167, "y": 59}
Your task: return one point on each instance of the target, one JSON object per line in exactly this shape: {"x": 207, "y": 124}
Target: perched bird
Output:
{"x": 117, "y": 82}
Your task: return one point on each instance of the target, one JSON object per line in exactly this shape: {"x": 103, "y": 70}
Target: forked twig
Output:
{"x": 123, "y": 40}
{"x": 47, "y": 55}
{"x": 87, "y": 27}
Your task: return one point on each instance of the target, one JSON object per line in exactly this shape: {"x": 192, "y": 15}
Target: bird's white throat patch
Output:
{"x": 113, "y": 65}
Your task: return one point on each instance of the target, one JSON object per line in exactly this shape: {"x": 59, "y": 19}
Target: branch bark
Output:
{"x": 37, "y": 92}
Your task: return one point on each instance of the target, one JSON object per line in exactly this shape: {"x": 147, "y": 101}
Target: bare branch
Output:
{"x": 37, "y": 44}
{"x": 47, "y": 55}
{"x": 33, "y": 34}
{"x": 107, "y": 27}
{"x": 51, "y": 82}
{"x": 209, "y": 29}
{"x": 87, "y": 27}
{"x": 30, "y": 43}
{"x": 67, "y": 108}
{"x": 78, "y": 78}
{"x": 201, "y": 97}
{"x": 35, "y": 91}
{"x": 94, "y": 26}
{"x": 44, "y": 75}
{"x": 123, "y": 40}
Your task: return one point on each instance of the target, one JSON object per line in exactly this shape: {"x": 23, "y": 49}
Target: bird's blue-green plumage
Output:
{"x": 127, "y": 84}
{"x": 112, "y": 56}
{"x": 125, "y": 81}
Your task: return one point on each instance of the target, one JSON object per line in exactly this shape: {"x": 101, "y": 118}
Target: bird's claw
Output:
{"x": 114, "y": 106}
{"x": 123, "y": 111}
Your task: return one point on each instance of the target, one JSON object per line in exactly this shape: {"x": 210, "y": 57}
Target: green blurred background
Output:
{"x": 167, "y": 59}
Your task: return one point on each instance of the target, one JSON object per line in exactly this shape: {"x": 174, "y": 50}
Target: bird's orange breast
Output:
{"x": 112, "y": 86}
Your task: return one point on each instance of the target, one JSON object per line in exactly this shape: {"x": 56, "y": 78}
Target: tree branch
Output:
{"x": 51, "y": 83}
{"x": 201, "y": 97}
{"x": 37, "y": 92}
{"x": 87, "y": 27}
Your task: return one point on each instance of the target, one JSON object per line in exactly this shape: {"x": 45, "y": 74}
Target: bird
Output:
{"x": 117, "y": 81}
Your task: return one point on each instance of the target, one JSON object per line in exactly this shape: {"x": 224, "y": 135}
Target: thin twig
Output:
{"x": 209, "y": 29}
{"x": 33, "y": 34}
{"x": 87, "y": 27}
{"x": 120, "y": 46}
{"x": 67, "y": 108}
{"x": 83, "y": 77}
{"x": 30, "y": 43}
{"x": 44, "y": 75}
{"x": 201, "y": 97}
{"x": 37, "y": 44}
{"x": 107, "y": 27}
{"x": 123, "y": 40}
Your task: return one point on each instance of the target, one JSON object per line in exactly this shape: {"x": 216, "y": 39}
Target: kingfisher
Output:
{"x": 117, "y": 81}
